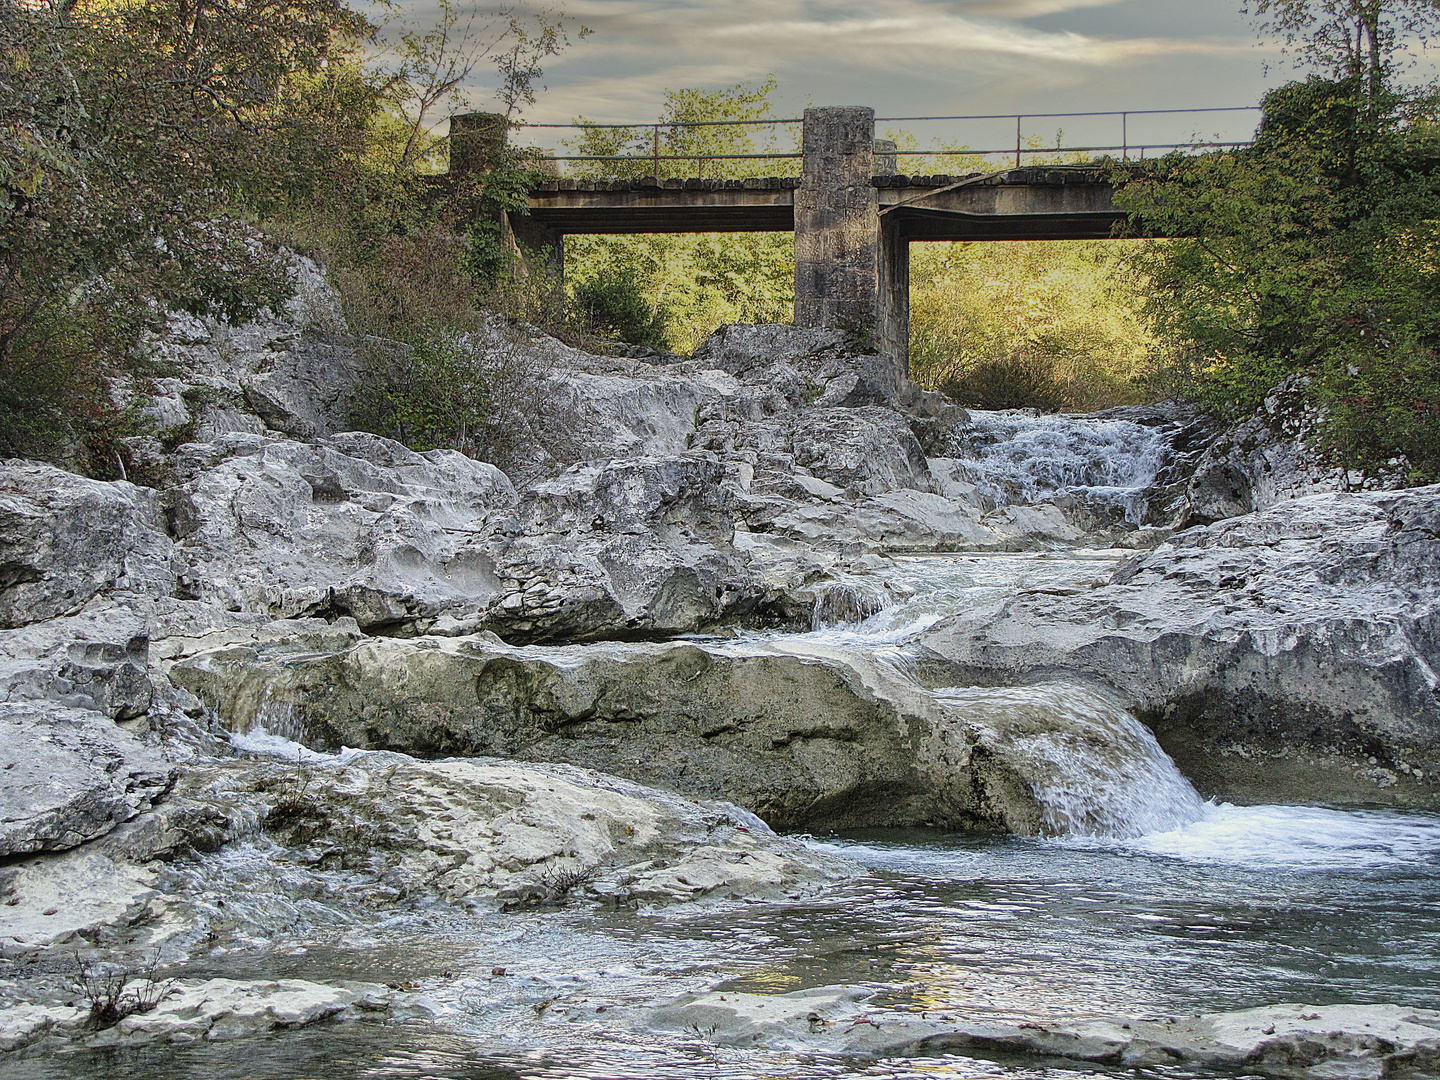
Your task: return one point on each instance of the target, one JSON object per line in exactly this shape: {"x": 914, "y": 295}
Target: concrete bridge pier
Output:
{"x": 479, "y": 145}
{"x": 852, "y": 264}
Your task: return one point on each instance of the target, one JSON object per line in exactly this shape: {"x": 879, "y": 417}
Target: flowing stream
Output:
{"x": 1141, "y": 900}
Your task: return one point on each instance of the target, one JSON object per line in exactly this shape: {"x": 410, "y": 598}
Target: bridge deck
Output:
{"x": 1057, "y": 203}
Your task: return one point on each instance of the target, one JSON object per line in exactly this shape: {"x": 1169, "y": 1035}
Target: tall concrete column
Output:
{"x": 892, "y": 308}
{"x": 837, "y": 223}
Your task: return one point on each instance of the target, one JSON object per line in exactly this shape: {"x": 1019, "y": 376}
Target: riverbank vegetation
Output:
{"x": 158, "y": 162}
{"x": 162, "y": 157}
{"x": 1313, "y": 254}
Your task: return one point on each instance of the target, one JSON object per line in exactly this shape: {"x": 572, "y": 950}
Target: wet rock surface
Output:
{"x": 1299, "y": 1041}
{"x": 809, "y": 738}
{"x": 1276, "y": 655}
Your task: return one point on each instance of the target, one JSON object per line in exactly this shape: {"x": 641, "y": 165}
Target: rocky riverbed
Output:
{"x": 690, "y": 612}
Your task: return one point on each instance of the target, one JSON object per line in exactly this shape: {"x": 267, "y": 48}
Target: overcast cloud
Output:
{"x": 914, "y": 57}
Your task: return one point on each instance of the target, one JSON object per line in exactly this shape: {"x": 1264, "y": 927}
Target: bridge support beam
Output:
{"x": 851, "y": 271}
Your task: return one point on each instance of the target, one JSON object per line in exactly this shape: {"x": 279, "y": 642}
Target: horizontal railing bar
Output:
{"x": 1053, "y": 149}
{"x": 898, "y": 153}
{"x": 670, "y": 123}
{"x": 1062, "y": 115}
{"x": 672, "y": 157}
{"x": 901, "y": 119}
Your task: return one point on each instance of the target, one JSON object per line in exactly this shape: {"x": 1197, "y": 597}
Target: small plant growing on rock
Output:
{"x": 552, "y": 887}
{"x": 117, "y": 992}
{"x": 558, "y": 882}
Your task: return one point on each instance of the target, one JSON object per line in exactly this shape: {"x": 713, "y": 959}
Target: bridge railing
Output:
{"x": 668, "y": 148}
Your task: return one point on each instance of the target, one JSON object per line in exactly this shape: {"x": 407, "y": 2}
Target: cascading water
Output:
{"x": 1093, "y": 768}
{"x": 1014, "y": 457}
{"x": 1142, "y": 900}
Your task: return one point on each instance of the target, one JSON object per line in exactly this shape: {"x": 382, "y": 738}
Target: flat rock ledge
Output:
{"x": 215, "y": 1010}
{"x": 1321, "y": 1042}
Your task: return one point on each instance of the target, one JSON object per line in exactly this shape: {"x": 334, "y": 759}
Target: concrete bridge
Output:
{"x": 853, "y": 216}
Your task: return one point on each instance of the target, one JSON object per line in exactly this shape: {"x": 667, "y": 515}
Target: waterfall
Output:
{"x": 1093, "y": 768}
{"x": 1014, "y": 457}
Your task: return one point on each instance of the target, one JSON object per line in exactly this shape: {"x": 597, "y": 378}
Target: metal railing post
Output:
{"x": 1017, "y": 140}
{"x": 1124, "y": 136}
{"x": 657, "y": 152}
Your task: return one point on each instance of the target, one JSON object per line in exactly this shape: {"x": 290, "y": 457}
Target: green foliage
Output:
{"x": 1048, "y": 325}
{"x": 146, "y": 139}
{"x": 700, "y": 281}
{"x": 134, "y": 131}
{"x": 613, "y": 305}
{"x": 1312, "y": 252}
{"x": 746, "y": 101}
{"x": 482, "y": 393}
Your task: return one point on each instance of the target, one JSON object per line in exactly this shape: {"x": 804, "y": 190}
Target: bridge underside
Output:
{"x": 853, "y": 221}
{"x": 1021, "y": 204}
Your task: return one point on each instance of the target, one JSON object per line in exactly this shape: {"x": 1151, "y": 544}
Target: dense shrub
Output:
{"x": 613, "y": 305}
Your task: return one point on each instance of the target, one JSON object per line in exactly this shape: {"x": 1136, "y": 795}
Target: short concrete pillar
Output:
{"x": 477, "y": 142}
{"x": 836, "y": 222}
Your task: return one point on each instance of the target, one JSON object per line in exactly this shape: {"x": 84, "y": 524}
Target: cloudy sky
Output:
{"x": 919, "y": 57}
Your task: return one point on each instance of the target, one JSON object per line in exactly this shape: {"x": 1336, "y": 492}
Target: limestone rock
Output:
{"x": 482, "y": 830}
{"x": 70, "y": 775}
{"x": 213, "y": 1010}
{"x": 1288, "y": 1041}
{"x": 1286, "y": 654}
{"x": 871, "y": 450}
{"x": 294, "y": 371}
{"x": 51, "y": 899}
{"x": 354, "y": 525}
{"x": 65, "y": 540}
{"x": 803, "y": 735}
{"x": 1264, "y": 460}
{"x": 94, "y": 660}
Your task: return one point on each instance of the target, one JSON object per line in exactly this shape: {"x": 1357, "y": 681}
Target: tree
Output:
{"x": 134, "y": 130}
{"x": 1309, "y": 254}
{"x": 698, "y": 282}
{"x": 1356, "y": 41}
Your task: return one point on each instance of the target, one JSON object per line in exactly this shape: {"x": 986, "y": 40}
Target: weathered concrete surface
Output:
{"x": 813, "y": 737}
{"x": 1285, "y": 655}
{"x": 1301, "y": 1041}
{"x": 70, "y": 775}
{"x": 836, "y": 222}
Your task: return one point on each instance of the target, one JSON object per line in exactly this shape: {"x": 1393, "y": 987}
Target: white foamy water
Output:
{"x": 1017, "y": 458}
{"x": 259, "y": 740}
{"x": 1299, "y": 838}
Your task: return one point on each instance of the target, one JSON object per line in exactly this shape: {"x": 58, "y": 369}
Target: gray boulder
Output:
{"x": 65, "y": 540}
{"x": 96, "y": 660}
{"x": 355, "y": 524}
{"x": 70, "y": 775}
{"x": 804, "y": 738}
{"x": 483, "y": 831}
{"x": 1288, "y": 654}
{"x": 294, "y": 371}
{"x": 871, "y": 450}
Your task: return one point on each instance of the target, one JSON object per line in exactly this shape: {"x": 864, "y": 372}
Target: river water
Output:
{"x": 1144, "y": 901}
